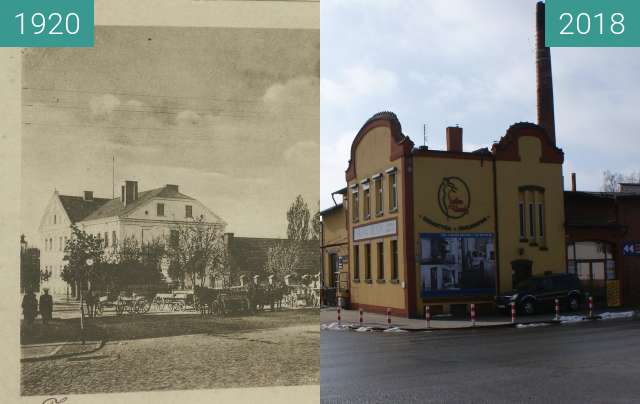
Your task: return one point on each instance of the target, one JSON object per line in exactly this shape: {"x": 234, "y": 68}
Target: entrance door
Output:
{"x": 520, "y": 271}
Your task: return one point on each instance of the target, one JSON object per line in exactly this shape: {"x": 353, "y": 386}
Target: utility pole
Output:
{"x": 113, "y": 178}
{"x": 424, "y": 133}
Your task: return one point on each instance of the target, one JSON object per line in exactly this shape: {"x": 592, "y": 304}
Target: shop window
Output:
{"x": 394, "y": 259}
{"x": 356, "y": 262}
{"x": 393, "y": 195}
{"x": 355, "y": 205}
{"x": 381, "y": 260}
{"x": 593, "y": 263}
{"x": 160, "y": 209}
{"x": 379, "y": 195}
{"x": 366, "y": 195}
{"x": 367, "y": 262}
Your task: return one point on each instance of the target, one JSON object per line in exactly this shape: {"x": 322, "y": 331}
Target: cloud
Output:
{"x": 104, "y": 105}
{"x": 299, "y": 90}
{"x": 356, "y": 82}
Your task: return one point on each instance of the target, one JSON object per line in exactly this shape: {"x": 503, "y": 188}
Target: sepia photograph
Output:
{"x": 170, "y": 211}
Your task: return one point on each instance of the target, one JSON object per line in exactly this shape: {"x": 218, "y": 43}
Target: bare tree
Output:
{"x": 282, "y": 259}
{"x": 197, "y": 251}
{"x": 611, "y": 180}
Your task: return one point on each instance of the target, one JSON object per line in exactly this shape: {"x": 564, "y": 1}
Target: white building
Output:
{"x": 146, "y": 215}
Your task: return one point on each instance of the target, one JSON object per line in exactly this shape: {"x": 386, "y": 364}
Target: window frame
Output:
{"x": 356, "y": 262}
{"x": 393, "y": 190}
{"x": 188, "y": 211}
{"x": 160, "y": 207}
{"x": 523, "y": 220}
{"x": 380, "y": 254}
{"x": 379, "y": 191}
{"x": 355, "y": 204}
{"x": 395, "y": 273}
{"x": 532, "y": 220}
{"x": 367, "y": 262}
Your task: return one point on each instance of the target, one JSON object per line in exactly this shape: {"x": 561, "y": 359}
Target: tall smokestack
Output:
{"x": 544, "y": 79}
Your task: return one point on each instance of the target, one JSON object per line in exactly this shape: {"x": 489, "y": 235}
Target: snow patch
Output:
{"x": 619, "y": 314}
{"x": 363, "y": 329}
{"x": 571, "y": 319}
{"x": 394, "y": 329}
{"x": 335, "y": 327}
{"x": 530, "y": 325}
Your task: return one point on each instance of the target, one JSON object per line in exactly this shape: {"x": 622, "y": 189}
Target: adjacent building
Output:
{"x": 143, "y": 215}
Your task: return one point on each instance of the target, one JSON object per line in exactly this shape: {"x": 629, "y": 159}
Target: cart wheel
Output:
{"x": 119, "y": 308}
{"x": 146, "y": 306}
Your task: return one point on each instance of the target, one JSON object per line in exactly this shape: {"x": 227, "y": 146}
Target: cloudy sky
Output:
{"x": 447, "y": 62}
{"x": 230, "y": 115}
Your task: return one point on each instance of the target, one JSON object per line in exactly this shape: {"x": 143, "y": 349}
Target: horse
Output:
{"x": 206, "y": 299}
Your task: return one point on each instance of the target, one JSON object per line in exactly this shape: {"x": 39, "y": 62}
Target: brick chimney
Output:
{"x": 544, "y": 80}
{"x": 129, "y": 192}
{"x": 454, "y": 139}
{"x": 88, "y": 196}
{"x": 172, "y": 187}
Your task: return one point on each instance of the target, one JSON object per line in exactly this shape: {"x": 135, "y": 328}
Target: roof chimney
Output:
{"x": 573, "y": 182}
{"x": 88, "y": 196}
{"x": 172, "y": 187}
{"x": 544, "y": 78}
{"x": 129, "y": 192}
{"x": 454, "y": 139}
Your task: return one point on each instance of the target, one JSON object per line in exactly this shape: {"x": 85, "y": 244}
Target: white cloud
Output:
{"x": 299, "y": 90}
{"x": 356, "y": 82}
{"x": 104, "y": 105}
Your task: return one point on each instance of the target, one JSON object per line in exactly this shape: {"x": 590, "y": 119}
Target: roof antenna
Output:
{"x": 424, "y": 133}
{"x": 113, "y": 178}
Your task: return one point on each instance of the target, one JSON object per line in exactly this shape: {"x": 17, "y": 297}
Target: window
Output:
{"x": 160, "y": 209}
{"x": 356, "y": 262}
{"x": 532, "y": 221}
{"x": 188, "y": 211}
{"x": 367, "y": 262}
{"x": 60, "y": 244}
{"x": 394, "y": 259}
{"x": 367, "y": 200}
{"x": 354, "y": 204}
{"x": 50, "y": 244}
{"x": 381, "y": 260}
{"x": 393, "y": 195}
{"x": 379, "y": 195}
{"x": 114, "y": 241}
{"x": 106, "y": 239}
{"x": 522, "y": 221}
{"x": 54, "y": 219}
{"x": 541, "y": 219}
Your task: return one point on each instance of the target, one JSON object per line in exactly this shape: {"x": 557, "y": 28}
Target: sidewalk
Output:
{"x": 56, "y": 350}
{"x": 379, "y": 321}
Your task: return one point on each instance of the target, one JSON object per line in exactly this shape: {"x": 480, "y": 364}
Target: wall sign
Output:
{"x": 374, "y": 230}
{"x": 454, "y": 197}
{"x": 631, "y": 248}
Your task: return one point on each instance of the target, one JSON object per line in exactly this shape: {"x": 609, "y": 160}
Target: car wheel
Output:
{"x": 574, "y": 303}
{"x": 529, "y": 307}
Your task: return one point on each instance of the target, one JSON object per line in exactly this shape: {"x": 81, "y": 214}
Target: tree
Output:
{"x": 80, "y": 248}
{"x": 298, "y": 220}
{"x": 197, "y": 251}
{"x": 316, "y": 225}
{"x": 282, "y": 259}
{"x": 611, "y": 180}
{"x": 30, "y": 273}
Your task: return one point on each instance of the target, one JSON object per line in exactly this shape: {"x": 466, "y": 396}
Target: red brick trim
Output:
{"x": 507, "y": 148}
{"x": 379, "y": 309}
{"x": 400, "y": 144}
{"x": 410, "y": 265}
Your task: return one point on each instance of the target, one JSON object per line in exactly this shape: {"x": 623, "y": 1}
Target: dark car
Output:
{"x": 538, "y": 293}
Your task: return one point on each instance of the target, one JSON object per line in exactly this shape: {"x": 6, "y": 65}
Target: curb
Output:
{"x": 635, "y": 316}
{"x": 62, "y": 356}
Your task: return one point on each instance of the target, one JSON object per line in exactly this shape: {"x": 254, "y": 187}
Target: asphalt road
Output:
{"x": 595, "y": 362}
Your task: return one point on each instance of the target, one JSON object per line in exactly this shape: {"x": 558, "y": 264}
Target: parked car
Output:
{"x": 538, "y": 293}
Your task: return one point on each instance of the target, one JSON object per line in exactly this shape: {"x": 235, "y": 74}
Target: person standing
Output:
{"x": 46, "y": 306}
{"x": 29, "y": 307}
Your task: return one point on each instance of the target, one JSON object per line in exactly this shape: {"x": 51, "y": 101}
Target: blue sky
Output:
{"x": 447, "y": 62}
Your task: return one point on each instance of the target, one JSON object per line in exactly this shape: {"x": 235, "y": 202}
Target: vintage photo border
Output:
{"x": 303, "y": 14}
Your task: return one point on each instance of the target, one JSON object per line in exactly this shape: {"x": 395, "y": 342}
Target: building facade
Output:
{"x": 143, "y": 216}
{"x": 335, "y": 254}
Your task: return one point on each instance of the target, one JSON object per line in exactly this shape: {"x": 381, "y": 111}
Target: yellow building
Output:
{"x": 335, "y": 254}
{"x": 447, "y": 227}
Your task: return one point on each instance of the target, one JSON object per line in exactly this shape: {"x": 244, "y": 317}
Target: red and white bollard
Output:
{"x": 557, "y": 309}
{"x": 388, "y": 317}
{"x": 338, "y": 315}
{"x": 427, "y": 315}
{"x": 590, "y": 306}
{"x": 513, "y": 312}
{"x": 360, "y": 317}
{"x": 473, "y": 314}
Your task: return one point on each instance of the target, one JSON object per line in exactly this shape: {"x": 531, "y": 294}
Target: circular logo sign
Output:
{"x": 454, "y": 197}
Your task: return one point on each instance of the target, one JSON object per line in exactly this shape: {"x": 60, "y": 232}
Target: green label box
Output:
{"x": 46, "y": 23}
{"x": 592, "y": 23}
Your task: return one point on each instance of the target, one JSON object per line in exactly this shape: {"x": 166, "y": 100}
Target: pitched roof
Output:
{"x": 115, "y": 207}
{"x": 77, "y": 208}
